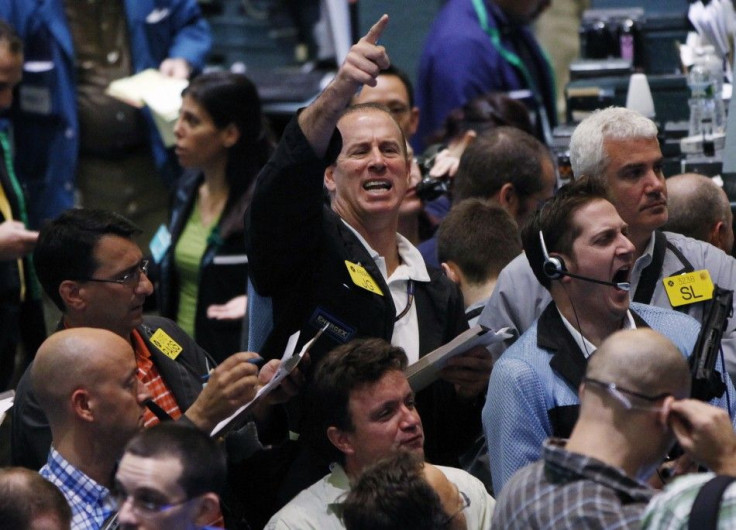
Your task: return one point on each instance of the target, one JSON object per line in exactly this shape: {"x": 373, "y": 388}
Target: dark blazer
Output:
{"x": 30, "y": 434}
{"x": 223, "y": 271}
{"x": 297, "y": 248}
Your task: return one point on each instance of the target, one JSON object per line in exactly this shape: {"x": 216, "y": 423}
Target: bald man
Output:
{"x": 699, "y": 208}
{"x": 85, "y": 381}
{"x": 31, "y": 502}
{"x": 595, "y": 479}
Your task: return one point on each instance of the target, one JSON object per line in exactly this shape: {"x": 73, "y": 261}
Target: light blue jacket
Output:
{"x": 46, "y": 129}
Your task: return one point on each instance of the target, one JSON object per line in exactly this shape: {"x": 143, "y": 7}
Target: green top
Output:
{"x": 187, "y": 257}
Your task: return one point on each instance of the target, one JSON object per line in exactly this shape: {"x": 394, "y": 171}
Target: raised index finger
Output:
{"x": 376, "y": 30}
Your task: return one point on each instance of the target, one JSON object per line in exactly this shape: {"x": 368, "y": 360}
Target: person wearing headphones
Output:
{"x": 578, "y": 249}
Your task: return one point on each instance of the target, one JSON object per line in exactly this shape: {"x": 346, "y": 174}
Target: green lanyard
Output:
{"x": 514, "y": 60}
{"x": 32, "y": 285}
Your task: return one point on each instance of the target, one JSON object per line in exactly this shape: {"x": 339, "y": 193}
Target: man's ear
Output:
{"x": 208, "y": 510}
{"x": 341, "y": 440}
{"x": 509, "y": 199}
{"x": 664, "y": 414}
{"x": 82, "y": 405}
{"x": 71, "y": 295}
{"x": 452, "y": 271}
{"x": 413, "y": 122}
{"x": 329, "y": 178}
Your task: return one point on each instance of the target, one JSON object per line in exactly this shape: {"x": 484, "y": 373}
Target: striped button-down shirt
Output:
{"x": 90, "y": 502}
{"x": 569, "y": 490}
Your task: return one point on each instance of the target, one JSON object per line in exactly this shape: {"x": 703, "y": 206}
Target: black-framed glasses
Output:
{"x": 465, "y": 500}
{"x": 144, "y": 508}
{"x": 619, "y": 394}
{"x": 129, "y": 278}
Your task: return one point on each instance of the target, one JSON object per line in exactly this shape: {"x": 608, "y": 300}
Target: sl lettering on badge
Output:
{"x": 690, "y": 288}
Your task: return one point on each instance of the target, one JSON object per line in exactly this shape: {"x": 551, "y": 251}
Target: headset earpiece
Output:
{"x": 553, "y": 266}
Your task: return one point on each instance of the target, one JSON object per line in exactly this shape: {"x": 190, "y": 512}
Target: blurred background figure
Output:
{"x": 30, "y": 502}
{"x": 222, "y": 140}
{"x": 21, "y": 311}
{"x": 401, "y": 492}
{"x": 699, "y": 208}
{"x": 69, "y": 134}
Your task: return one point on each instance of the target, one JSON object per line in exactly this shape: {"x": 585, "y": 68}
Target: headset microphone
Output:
{"x": 554, "y": 268}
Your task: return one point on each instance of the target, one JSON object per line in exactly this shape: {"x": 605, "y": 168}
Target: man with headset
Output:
{"x": 579, "y": 249}
{"x": 619, "y": 148}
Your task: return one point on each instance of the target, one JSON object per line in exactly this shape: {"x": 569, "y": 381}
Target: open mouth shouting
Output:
{"x": 377, "y": 185}
{"x": 622, "y": 275}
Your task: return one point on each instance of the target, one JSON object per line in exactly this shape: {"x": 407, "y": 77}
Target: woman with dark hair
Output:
{"x": 222, "y": 141}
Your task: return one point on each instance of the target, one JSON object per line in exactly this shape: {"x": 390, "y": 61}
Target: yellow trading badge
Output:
{"x": 689, "y": 288}
{"x": 166, "y": 344}
{"x": 362, "y": 279}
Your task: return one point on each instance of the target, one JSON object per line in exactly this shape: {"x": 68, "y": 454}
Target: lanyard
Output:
{"x": 514, "y": 60}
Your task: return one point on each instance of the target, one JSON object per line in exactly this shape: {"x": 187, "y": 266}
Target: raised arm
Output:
{"x": 362, "y": 65}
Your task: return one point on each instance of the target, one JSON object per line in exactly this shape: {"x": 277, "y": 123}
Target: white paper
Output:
{"x": 426, "y": 370}
{"x": 289, "y": 361}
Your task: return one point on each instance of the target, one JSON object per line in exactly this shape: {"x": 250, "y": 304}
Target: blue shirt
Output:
{"x": 91, "y": 503}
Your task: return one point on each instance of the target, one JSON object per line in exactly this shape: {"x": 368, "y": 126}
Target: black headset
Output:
{"x": 554, "y": 266}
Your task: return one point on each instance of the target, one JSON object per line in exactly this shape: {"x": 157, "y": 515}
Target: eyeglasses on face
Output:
{"x": 128, "y": 278}
{"x": 142, "y": 507}
{"x": 619, "y": 394}
{"x": 465, "y": 500}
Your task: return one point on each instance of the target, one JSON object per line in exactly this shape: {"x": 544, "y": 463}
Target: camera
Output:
{"x": 431, "y": 188}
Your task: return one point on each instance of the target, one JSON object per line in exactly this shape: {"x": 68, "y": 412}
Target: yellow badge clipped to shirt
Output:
{"x": 166, "y": 344}
{"x": 361, "y": 278}
{"x": 689, "y": 288}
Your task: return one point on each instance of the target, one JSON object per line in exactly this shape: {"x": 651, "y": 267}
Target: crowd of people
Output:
{"x": 326, "y": 241}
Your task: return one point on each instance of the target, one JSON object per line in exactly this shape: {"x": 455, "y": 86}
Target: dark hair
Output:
{"x": 480, "y": 237}
{"x": 9, "y": 36}
{"x": 343, "y": 370}
{"x": 232, "y": 98}
{"x": 554, "y": 220}
{"x": 204, "y": 468}
{"x": 393, "y": 494}
{"x": 404, "y": 78}
{"x": 502, "y": 155}
{"x": 25, "y": 495}
{"x": 482, "y": 114}
{"x": 65, "y": 246}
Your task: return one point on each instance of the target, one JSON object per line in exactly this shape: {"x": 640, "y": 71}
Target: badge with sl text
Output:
{"x": 166, "y": 344}
{"x": 362, "y": 279}
{"x": 689, "y": 288}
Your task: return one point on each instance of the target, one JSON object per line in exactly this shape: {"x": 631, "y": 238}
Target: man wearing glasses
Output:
{"x": 90, "y": 267}
{"x": 578, "y": 249}
{"x": 170, "y": 477}
{"x": 595, "y": 479}
{"x": 365, "y": 410}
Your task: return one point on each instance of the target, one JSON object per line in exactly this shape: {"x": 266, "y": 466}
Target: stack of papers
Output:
{"x": 160, "y": 93}
{"x": 427, "y": 369}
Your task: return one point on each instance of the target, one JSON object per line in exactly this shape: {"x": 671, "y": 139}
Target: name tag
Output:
{"x": 337, "y": 330}
{"x": 166, "y": 344}
{"x": 690, "y": 288}
{"x": 160, "y": 243}
{"x": 35, "y": 99}
{"x": 361, "y": 278}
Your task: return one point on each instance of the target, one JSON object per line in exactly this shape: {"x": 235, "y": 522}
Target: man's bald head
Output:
{"x": 71, "y": 359}
{"x": 699, "y": 208}
{"x": 643, "y": 361}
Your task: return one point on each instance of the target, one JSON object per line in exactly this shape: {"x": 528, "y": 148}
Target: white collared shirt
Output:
{"x": 587, "y": 347}
{"x": 412, "y": 267}
{"x": 640, "y": 264}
